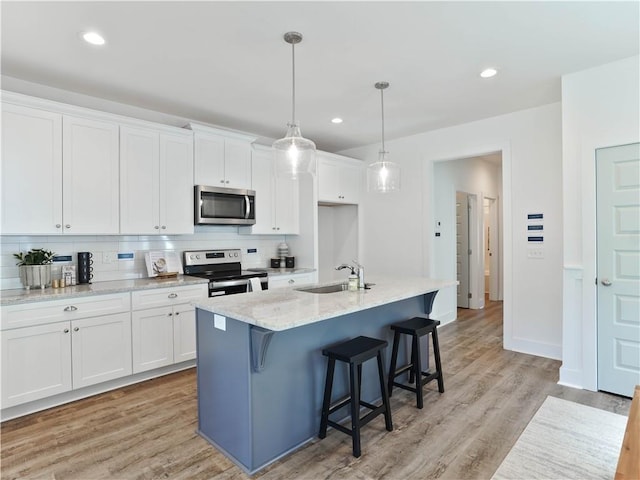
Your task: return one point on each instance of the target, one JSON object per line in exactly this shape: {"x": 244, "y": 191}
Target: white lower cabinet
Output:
{"x": 166, "y": 333}
{"x": 293, "y": 280}
{"x": 41, "y": 360}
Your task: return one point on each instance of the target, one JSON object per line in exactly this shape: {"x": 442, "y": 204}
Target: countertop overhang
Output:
{"x": 286, "y": 308}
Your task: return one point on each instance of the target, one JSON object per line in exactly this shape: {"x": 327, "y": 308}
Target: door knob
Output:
{"x": 606, "y": 282}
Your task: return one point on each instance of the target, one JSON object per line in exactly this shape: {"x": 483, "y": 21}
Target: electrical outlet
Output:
{"x": 537, "y": 253}
{"x": 109, "y": 257}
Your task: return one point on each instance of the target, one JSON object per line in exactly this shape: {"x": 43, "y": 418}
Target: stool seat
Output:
{"x": 355, "y": 352}
{"x": 416, "y": 327}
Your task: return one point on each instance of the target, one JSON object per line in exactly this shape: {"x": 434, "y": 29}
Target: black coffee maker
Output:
{"x": 85, "y": 268}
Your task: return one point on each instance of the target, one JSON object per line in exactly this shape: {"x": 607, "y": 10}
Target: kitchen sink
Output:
{"x": 325, "y": 289}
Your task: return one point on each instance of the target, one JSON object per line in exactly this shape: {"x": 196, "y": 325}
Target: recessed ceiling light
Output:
{"x": 488, "y": 73}
{"x": 93, "y": 38}
{"x": 336, "y": 120}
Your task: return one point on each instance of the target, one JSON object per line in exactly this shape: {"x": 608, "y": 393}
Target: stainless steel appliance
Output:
{"x": 224, "y": 206}
{"x": 223, "y": 269}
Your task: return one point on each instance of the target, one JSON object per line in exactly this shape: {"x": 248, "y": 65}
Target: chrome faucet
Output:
{"x": 344, "y": 265}
{"x": 357, "y": 270}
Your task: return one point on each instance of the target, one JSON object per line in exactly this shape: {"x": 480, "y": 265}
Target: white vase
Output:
{"x": 35, "y": 275}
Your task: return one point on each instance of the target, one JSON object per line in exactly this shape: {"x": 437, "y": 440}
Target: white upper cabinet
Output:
{"x": 339, "y": 179}
{"x": 277, "y": 202}
{"x": 222, "y": 159}
{"x": 90, "y": 176}
{"x": 31, "y": 170}
{"x": 156, "y": 181}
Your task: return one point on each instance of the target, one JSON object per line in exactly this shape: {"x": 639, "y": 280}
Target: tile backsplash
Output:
{"x": 105, "y": 249}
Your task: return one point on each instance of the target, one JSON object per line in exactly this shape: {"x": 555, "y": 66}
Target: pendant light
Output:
{"x": 294, "y": 154}
{"x": 383, "y": 176}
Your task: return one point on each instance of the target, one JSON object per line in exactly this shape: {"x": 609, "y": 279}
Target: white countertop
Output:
{"x": 285, "y": 308}
{"x": 17, "y": 296}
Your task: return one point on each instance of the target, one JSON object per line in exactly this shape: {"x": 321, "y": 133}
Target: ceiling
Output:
{"x": 226, "y": 63}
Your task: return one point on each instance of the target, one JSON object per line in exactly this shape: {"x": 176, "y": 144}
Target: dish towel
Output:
{"x": 256, "y": 286}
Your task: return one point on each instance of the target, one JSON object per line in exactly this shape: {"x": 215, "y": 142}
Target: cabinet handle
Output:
{"x": 227, "y": 181}
{"x": 58, "y": 225}
{"x": 291, "y": 280}
{"x": 66, "y": 330}
{"x": 157, "y": 227}
{"x": 164, "y": 227}
{"x": 75, "y": 329}
{"x": 221, "y": 181}
{"x": 277, "y": 228}
{"x": 70, "y": 308}
{"x": 169, "y": 314}
{"x": 67, "y": 226}
{"x": 177, "y": 313}
{"x": 173, "y": 295}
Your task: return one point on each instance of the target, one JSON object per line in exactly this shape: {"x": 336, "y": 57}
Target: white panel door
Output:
{"x": 139, "y": 181}
{"x": 176, "y": 184}
{"x": 36, "y": 362}
{"x": 462, "y": 248}
{"x": 618, "y": 232}
{"x": 101, "y": 349}
{"x": 90, "y": 176}
{"x": 31, "y": 171}
{"x": 152, "y": 338}
{"x": 184, "y": 333}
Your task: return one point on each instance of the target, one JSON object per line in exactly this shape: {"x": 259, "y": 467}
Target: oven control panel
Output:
{"x": 212, "y": 257}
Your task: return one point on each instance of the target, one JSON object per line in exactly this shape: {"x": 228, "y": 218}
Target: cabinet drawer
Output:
{"x": 163, "y": 297}
{"x": 296, "y": 280}
{"x": 38, "y": 313}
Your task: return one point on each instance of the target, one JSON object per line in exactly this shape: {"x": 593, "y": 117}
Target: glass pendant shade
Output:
{"x": 294, "y": 154}
{"x": 383, "y": 176}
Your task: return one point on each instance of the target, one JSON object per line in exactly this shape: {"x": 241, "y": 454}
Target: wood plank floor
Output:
{"x": 147, "y": 431}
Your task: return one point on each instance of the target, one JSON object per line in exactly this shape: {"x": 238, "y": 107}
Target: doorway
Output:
{"x": 463, "y": 248}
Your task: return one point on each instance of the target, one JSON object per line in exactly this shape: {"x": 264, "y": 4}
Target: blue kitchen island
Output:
{"x": 260, "y": 366}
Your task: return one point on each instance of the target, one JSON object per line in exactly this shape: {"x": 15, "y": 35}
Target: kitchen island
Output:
{"x": 260, "y": 364}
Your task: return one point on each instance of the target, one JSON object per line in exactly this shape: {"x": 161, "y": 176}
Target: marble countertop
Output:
{"x": 18, "y": 296}
{"x": 285, "y": 308}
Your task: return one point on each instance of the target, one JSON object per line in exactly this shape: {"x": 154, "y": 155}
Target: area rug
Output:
{"x": 566, "y": 440}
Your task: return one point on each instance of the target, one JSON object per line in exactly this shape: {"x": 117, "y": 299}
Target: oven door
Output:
{"x": 228, "y": 287}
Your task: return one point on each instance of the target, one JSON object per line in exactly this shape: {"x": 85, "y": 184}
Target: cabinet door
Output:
{"x": 286, "y": 205}
{"x": 152, "y": 338}
{"x": 237, "y": 163}
{"x": 176, "y": 184}
{"x": 184, "y": 333}
{"x": 350, "y": 183}
{"x": 338, "y": 182}
{"x": 262, "y": 182}
{"x": 36, "y": 362}
{"x": 139, "y": 181}
{"x": 31, "y": 171}
{"x": 90, "y": 176}
{"x": 209, "y": 159}
{"x": 101, "y": 349}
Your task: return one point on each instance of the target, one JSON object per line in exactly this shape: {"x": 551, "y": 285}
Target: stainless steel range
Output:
{"x": 223, "y": 269}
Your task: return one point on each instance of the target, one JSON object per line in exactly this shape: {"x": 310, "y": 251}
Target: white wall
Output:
{"x": 477, "y": 177}
{"x": 398, "y": 229}
{"x": 600, "y": 108}
{"x": 204, "y": 238}
{"x": 337, "y": 240}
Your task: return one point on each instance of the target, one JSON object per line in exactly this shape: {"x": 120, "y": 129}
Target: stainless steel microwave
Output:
{"x": 224, "y": 206}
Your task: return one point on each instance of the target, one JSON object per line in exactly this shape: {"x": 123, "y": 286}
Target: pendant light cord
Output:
{"x": 293, "y": 83}
{"x": 382, "y": 109}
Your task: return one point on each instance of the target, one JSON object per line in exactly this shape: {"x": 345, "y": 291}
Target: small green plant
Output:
{"x": 36, "y": 256}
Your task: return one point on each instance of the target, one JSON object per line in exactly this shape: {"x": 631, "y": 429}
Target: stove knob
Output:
{"x": 235, "y": 254}
{"x": 198, "y": 257}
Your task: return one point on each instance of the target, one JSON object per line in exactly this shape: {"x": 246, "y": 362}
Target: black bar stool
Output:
{"x": 355, "y": 352}
{"x": 416, "y": 327}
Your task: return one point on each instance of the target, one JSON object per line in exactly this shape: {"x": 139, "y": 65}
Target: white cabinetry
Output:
{"x": 90, "y": 176}
{"x": 53, "y": 347}
{"x": 163, "y": 326}
{"x": 59, "y": 173}
{"x": 339, "y": 179}
{"x": 277, "y": 202}
{"x": 31, "y": 170}
{"x": 156, "y": 185}
{"x": 293, "y": 280}
{"x": 222, "y": 159}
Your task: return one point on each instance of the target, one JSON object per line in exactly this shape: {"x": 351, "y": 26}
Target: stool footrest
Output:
{"x": 400, "y": 371}
{"x": 338, "y": 404}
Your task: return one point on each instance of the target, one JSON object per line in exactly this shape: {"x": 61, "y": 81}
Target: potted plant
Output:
{"x": 35, "y": 267}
